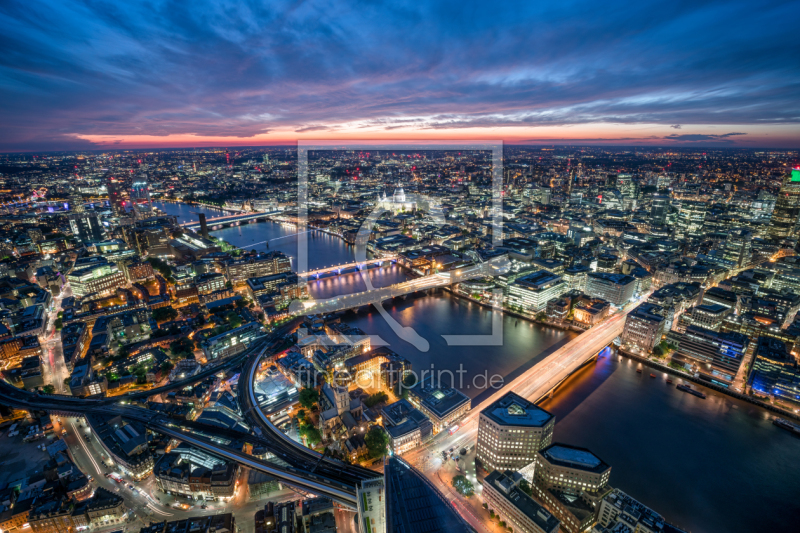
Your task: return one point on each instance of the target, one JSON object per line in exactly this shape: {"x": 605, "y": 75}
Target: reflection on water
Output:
{"x": 188, "y": 213}
{"x": 432, "y": 316}
{"x": 707, "y": 465}
{"x": 710, "y": 465}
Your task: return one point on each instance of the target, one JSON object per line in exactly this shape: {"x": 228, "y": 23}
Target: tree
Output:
{"x": 183, "y": 347}
{"x": 164, "y": 314}
{"x": 59, "y": 324}
{"x": 166, "y": 366}
{"x": 463, "y": 486}
{"x": 376, "y": 398}
{"x": 308, "y": 397}
{"x": 311, "y": 434}
{"x": 377, "y": 442}
{"x": 161, "y": 267}
{"x": 233, "y": 319}
{"x": 525, "y": 487}
{"x": 49, "y": 389}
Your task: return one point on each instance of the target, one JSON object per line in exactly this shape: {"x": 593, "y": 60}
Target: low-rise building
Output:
{"x": 125, "y": 441}
{"x": 644, "y": 326}
{"x": 231, "y": 342}
{"x": 441, "y": 403}
{"x": 503, "y": 495}
{"x": 617, "y": 289}
{"x": 188, "y": 472}
{"x": 619, "y": 513}
{"x": 532, "y": 292}
{"x": 714, "y": 356}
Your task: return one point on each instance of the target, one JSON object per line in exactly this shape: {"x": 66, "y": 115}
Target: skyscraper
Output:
{"x": 114, "y": 188}
{"x": 76, "y": 202}
{"x": 140, "y": 192}
{"x": 659, "y": 210}
{"x": 691, "y": 217}
{"x": 785, "y": 216}
{"x": 737, "y": 247}
{"x": 86, "y": 227}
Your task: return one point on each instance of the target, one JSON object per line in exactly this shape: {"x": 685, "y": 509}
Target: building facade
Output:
{"x": 511, "y": 431}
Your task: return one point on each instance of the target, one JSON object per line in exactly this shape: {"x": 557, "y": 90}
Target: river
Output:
{"x": 706, "y": 465}
{"x": 710, "y": 465}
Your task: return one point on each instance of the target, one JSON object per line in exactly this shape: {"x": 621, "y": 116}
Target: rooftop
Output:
{"x": 573, "y": 457}
{"x": 514, "y": 410}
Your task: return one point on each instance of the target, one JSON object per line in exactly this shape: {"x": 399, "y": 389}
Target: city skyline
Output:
{"x": 93, "y": 76}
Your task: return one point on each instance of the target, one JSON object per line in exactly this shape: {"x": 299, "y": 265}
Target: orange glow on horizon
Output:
{"x": 586, "y": 134}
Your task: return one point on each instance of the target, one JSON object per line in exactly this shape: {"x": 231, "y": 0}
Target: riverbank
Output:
{"x": 515, "y": 314}
{"x": 724, "y": 390}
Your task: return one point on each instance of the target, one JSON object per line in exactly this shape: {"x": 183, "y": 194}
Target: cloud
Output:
{"x": 311, "y": 128}
{"x": 696, "y": 137}
{"x": 230, "y": 69}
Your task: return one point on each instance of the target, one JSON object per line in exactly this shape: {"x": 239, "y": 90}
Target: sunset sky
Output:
{"x": 95, "y": 74}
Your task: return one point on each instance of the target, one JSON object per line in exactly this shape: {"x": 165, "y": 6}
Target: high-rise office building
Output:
{"x": 659, "y": 210}
{"x": 785, "y": 216}
{"x": 715, "y": 356}
{"x": 115, "y": 197}
{"x": 691, "y": 217}
{"x": 511, "y": 431}
{"x": 412, "y": 503}
{"x": 86, "y": 227}
{"x": 76, "y": 203}
{"x": 775, "y": 372}
{"x": 140, "y": 197}
{"x": 738, "y": 246}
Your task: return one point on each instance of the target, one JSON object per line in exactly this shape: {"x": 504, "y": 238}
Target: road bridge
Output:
{"x": 538, "y": 382}
{"x": 441, "y": 279}
{"x": 359, "y": 265}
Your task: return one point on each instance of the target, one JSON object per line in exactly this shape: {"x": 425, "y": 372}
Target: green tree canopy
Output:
{"x": 164, "y": 314}
{"x": 377, "y": 442}
{"x": 376, "y": 398}
{"x": 308, "y": 397}
{"x": 183, "y": 347}
{"x": 463, "y": 486}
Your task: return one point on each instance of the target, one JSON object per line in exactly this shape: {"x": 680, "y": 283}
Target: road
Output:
{"x": 149, "y": 503}
{"x": 55, "y": 369}
{"x": 532, "y": 385}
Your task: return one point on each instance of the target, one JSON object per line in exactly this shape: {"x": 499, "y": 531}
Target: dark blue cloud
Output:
{"x": 243, "y": 68}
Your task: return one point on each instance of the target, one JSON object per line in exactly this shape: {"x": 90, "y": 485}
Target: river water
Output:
{"x": 714, "y": 465}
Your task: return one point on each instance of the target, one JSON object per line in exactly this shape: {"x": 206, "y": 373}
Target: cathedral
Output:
{"x": 397, "y": 202}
